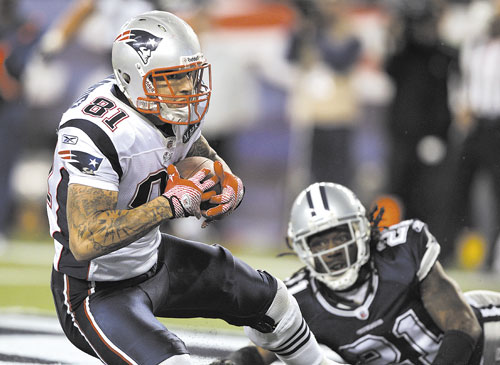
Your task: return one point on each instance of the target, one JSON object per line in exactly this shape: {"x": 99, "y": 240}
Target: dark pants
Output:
{"x": 12, "y": 143}
{"x": 331, "y": 158}
{"x": 116, "y": 321}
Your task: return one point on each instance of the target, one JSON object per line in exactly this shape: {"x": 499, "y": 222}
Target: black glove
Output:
{"x": 456, "y": 348}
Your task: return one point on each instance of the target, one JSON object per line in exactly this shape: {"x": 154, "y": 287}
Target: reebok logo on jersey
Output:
{"x": 144, "y": 43}
{"x": 85, "y": 162}
{"x": 69, "y": 139}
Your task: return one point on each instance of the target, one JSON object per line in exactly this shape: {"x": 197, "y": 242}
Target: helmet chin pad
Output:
{"x": 341, "y": 282}
{"x": 178, "y": 115}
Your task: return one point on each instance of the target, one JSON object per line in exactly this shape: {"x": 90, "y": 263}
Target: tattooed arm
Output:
{"x": 202, "y": 148}
{"x": 97, "y": 228}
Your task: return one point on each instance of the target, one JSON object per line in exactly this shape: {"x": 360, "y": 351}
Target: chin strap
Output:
{"x": 174, "y": 114}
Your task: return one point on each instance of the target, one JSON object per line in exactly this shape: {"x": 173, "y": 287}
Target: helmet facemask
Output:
{"x": 333, "y": 251}
{"x": 177, "y": 95}
{"x": 334, "y": 256}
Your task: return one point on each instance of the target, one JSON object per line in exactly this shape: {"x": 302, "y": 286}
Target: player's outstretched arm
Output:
{"x": 96, "y": 227}
{"x": 444, "y": 301}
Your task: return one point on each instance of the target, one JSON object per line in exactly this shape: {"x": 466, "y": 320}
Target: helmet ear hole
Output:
{"x": 126, "y": 78}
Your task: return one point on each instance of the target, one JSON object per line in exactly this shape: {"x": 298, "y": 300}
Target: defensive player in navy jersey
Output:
{"x": 113, "y": 182}
{"x": 379, "y": 296}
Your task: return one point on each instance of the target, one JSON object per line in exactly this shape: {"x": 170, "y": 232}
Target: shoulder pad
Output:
{"x": 397, "y": 234}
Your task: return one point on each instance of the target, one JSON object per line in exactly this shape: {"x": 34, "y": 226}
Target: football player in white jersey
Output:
{"x": 380, "y": 297}
{"x": 113, "y": 182}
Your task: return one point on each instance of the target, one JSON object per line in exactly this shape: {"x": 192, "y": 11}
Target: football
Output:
{"x": 191, "y": 165}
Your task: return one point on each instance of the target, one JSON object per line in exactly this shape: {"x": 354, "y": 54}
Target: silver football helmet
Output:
{"x": 330, "y": 233}
{"x": 159, "y": 66}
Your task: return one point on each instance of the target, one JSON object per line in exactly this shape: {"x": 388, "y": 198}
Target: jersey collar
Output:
{"x": 361, "y": 312}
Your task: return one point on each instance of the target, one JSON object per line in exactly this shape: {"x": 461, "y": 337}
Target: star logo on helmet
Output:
{"x": 144, "y": 43}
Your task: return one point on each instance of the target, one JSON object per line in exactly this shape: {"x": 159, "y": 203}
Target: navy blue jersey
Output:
{"x": 391, "y": 326}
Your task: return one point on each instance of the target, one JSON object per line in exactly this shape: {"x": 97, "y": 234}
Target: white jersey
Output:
{"x": 105, "y": 143}
{"x": 481, "y": 79}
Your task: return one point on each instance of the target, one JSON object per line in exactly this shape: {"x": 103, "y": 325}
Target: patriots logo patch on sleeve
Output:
{"x": 85, "y": 162}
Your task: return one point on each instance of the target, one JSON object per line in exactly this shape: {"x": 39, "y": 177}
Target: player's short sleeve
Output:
{"x": 84, "y": 161}
{"x": 425, "y": 247}
{"x": 410, "y": 247}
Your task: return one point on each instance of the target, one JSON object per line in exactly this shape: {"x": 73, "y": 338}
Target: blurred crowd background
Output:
{"x": 397, "y": 99}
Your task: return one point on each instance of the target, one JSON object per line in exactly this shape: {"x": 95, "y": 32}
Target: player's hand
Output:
{"x": 185, "y": 195}
{"x": 230, "y": 197}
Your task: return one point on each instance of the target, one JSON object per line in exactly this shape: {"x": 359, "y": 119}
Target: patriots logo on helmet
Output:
{"x": 144, "y": 43}
{"x": 85, "y": 162}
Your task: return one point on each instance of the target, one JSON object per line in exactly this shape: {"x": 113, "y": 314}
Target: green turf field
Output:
{"x": 25, "y": 275}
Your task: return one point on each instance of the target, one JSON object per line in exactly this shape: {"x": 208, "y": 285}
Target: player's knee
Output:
{"x": 184, "y": 359}
{"x": 286, "y": 333}
{"x": 282, "y": 318}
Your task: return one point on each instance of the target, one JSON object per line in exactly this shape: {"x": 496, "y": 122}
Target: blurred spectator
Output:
{"x": 375, "y": 92}
{"x": 18, "y": 35}
{"x": 419, "y": 117}
{"x": 323, "y": 103}
{"x": 479, "y": 119}
{"x": 246, "y": 41}
{"x": 74, "y": 53}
